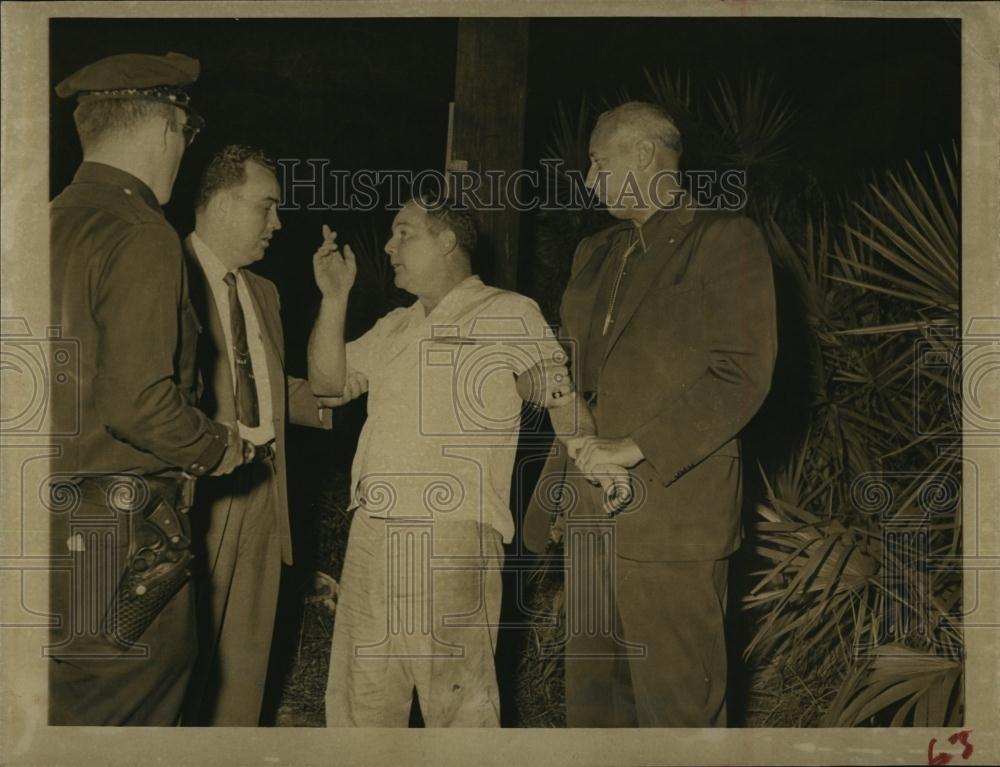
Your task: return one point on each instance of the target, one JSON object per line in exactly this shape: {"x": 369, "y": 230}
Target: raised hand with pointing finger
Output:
{"x": 333, "y": 269}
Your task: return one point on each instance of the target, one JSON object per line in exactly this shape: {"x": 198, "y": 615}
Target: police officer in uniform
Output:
{"x": 124, "y": 635}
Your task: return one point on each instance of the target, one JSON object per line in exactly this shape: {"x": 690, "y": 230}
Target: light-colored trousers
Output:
{"x": 419, "y": 608}
{"x": 237, "y": 601}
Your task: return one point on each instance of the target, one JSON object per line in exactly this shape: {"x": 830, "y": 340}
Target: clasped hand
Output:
{"x": 238, "y": 451}
{"x": 590, "y": 452}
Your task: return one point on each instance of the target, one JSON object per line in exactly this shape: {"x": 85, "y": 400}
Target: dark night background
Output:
{"x": 374, "y": 93}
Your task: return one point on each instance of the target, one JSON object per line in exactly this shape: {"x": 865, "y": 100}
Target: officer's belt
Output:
{"x": 131, "y": 492}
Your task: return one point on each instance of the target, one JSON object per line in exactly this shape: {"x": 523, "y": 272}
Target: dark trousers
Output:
{"x": 646, "y": 643}
{"x": 92, "y": 679}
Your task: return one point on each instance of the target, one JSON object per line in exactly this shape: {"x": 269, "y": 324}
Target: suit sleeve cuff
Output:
{"x": 648, "y": 437}
{"x": 211, "y": 456}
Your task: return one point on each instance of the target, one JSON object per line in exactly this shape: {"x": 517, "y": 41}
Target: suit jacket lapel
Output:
{"x": 633, "y": 297}
{"x": 579, "y": 301}
{"x": 267, "y": 312}
{"x": 661, "y": 247}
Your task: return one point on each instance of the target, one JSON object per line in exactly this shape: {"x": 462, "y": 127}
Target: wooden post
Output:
{"x": 491, "y": 75}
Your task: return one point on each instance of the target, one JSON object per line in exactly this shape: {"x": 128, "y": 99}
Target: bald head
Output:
{"x": 638, "y": 121}
{"x": 634, "y": 152}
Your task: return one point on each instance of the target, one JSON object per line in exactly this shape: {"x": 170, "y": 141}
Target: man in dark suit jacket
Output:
{"x": 671, "y": 321}
{"x": 241, "y": 520}
{"x": 122, "y": 647}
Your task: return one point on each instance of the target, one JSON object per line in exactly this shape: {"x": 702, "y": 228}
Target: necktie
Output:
{"x": 246, "y": 390}
{"x": 609, "y": 317}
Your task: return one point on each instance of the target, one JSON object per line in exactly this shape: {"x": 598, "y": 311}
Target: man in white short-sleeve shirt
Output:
{"x": 420, "y": 592}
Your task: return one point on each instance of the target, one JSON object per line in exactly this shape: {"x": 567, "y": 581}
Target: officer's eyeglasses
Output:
{"x": 191, "y": 127}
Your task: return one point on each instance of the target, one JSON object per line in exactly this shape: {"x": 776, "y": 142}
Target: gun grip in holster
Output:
{"x": 158, "y": 563}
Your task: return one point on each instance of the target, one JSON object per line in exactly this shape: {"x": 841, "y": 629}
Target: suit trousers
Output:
{"x": 419, "y": 608}
{"x": 237, "y": 601}
{"x": 645, "y": 640}
{"x": 93, "y": 680}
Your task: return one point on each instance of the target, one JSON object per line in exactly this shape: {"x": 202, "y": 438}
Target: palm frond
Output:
{"x": 571, "y": 136}
{"x": 910, "y": 225}
{"x": 672, "y": 91}
{"x": 819, "y": 568}
{"x": 753, "y": 117}
{"x": 900, "y": 686}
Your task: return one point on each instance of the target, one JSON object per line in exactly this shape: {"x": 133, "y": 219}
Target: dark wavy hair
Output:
{"x": 228, "y": 168}
{"x": 443, "y": 214}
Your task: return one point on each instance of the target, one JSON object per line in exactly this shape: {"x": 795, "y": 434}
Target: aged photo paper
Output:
{"x": 920, "y": 84}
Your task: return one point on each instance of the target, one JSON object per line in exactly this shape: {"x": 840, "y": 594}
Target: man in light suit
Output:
{"x": 671, "y": 320}
{"x": 241, "y": 520}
